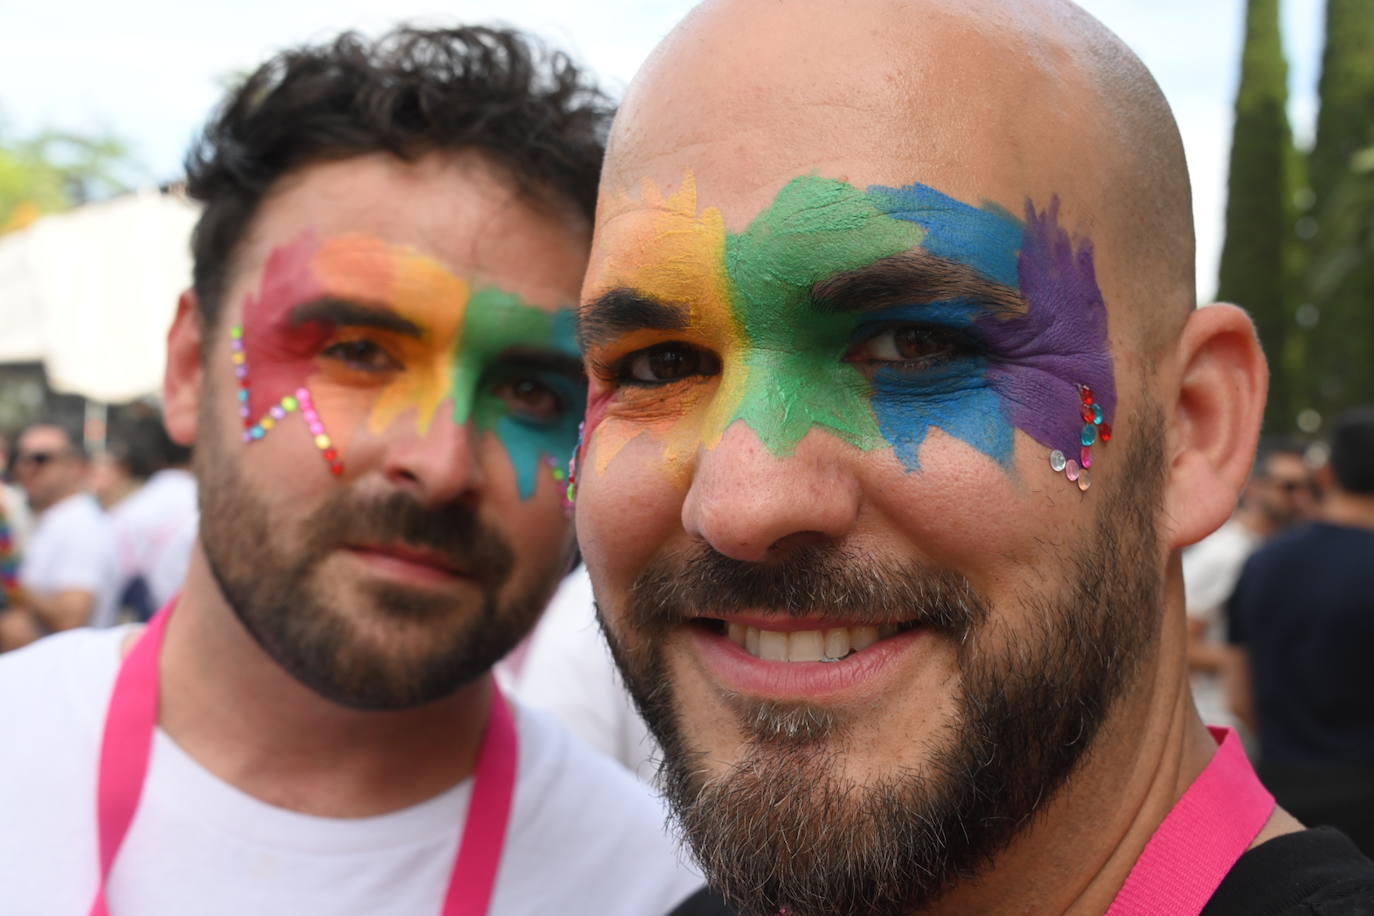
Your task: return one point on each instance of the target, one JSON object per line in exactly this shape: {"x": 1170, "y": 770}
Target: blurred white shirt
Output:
{"x": 72, "y": 547}
{"x": 154, "y": 530}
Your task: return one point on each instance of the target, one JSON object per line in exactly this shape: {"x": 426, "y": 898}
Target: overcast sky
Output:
{"x": 150, "y": 70}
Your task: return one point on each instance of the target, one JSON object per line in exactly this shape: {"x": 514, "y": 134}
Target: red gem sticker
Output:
{"x": 1104, "y": 432}
{"x": 331, "y": 455}
{"x": 336, "y": 469}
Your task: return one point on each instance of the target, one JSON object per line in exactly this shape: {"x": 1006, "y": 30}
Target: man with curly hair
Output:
{"x": 377, "y": 367}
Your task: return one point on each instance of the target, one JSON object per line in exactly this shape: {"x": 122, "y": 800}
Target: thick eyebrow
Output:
{"x": 622, "y": 311}
{"x": 342, "y": 313}
{"x": 913, "y": 278}
{"x": 543, "y": 361}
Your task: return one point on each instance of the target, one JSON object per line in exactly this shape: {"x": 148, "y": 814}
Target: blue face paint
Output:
{"x": 500, "y": 327}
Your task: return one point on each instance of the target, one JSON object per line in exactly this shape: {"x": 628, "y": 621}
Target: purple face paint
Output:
{"x": 1059, "y": 343}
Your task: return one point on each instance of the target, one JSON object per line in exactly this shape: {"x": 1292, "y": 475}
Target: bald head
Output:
{"x": 987, "y": 101}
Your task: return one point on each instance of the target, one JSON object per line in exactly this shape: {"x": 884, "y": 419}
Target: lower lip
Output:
{"x": 411, "y": 572}
{"x": 860, "y": 672}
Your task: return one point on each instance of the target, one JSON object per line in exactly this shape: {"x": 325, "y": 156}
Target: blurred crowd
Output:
{"x": 1280, "y": 604}
{"x": 91, "y": 540}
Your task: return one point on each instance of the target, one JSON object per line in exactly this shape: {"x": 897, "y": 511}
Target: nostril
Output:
{"x": 799, "y": 540}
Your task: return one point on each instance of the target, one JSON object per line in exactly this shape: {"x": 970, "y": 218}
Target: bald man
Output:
{"x": 900, "y": 415}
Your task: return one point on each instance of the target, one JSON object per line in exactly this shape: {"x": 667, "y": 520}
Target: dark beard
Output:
{"x": 783, "y": 829}
{"x": 382, "y": 646}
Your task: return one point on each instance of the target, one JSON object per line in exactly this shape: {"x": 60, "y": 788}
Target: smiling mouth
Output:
{"x": 829, "y": 644}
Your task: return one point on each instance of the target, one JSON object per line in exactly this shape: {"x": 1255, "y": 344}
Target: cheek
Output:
{"x": 965, "y": 511}
{"x": 626, "y": 515}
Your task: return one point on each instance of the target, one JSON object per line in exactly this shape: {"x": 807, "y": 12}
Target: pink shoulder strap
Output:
{"x": 126, "y": 747}
{"x": 1207, "y": 830}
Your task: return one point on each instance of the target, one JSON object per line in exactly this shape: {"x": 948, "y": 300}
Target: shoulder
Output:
{"x": 78, "y": 517}
{"x": 62, "y": 681}
{"x": 593, "y": 830}
{"x": 1316, "y": 872}
{"x": 567, "y": 776}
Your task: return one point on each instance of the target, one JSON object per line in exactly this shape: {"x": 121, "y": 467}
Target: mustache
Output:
{"x": 453, "y": 530}
{"x": 811, "y": 580}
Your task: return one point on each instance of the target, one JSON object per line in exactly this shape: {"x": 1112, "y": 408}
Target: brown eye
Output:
{"x": 911, "y": 343}
{"x": 667, "y": 363}
{"x": 364, "y": 355}
{"x": 914, "y": 346}
{"x": 531, "y": 398}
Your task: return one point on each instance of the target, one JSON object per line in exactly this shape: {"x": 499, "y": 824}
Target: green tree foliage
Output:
{"x": 55, "y": 170}
{"x": 1256, "y": 258}
{"x": 1340, "y": 281}
{"x": 1347, "y": 93}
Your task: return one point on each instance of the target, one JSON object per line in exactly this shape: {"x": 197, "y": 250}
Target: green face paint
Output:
{"x": 491, "y": 371}
{"x": 795, "y": 373}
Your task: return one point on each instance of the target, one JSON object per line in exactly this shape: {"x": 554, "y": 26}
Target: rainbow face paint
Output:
{"x": 873, "y": 314}
{"x": 355, "y": 333}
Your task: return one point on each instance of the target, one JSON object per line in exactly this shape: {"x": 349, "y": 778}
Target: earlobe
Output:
{"x": 181, "y": 382}
{"x": 1214, "y": 424}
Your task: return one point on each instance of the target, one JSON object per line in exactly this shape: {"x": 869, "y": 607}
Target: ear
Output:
{"x": 1215, "y": 423}
{"x": 181, "y": 382}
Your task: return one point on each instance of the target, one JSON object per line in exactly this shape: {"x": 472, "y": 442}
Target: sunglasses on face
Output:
{"x": 37, "y": 459}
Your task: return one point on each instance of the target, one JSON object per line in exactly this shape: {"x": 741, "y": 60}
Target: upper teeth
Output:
{"x": 806, "y": 645}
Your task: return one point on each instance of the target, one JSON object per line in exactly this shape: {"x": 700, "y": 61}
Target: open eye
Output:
{"x": 666, "y": 363}
{"x": 362, "y": 354}
{"x": 912, "y": 346}
{"x": 532, "y": 398}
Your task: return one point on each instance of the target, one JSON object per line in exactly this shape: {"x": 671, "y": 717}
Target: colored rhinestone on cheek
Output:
{"x": 299, "y": 402}
{"x": 1095, "y": 431}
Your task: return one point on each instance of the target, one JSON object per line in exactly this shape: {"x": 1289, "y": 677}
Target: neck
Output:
{"x": 1353, "y": 510}
{"x": 1080, "y": 848}
{"x": 233, "y": 709}
{"x": 118, "y": 493}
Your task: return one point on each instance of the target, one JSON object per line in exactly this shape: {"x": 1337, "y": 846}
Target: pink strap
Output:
{"x": 126, "y": 746}
{"x": 1209, "y": 828}
{"x": 479, "y": 852}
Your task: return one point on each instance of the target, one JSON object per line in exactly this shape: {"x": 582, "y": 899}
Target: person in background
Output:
{"x": 1278, "y": 494}
{"x": 15, "y": 521}
{"x": 68, "y": 573}
{"x": 155, "y": 526}
{"x": 1302, "y": 630}
{"x": 114, "y": 474}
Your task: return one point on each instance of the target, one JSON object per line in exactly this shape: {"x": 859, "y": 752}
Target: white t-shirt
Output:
{"x": 584, "y": 837}
{"x": 72, "y": 547}
{"x": 568, "y": 671}
{"x": 154, "y": 529}
{"x": 1211, "y": 568}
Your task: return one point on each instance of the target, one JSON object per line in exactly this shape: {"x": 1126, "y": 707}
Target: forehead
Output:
{"x": 383, "y": 227}
{"x": 984, "y": 108}
{"x": 44, "y": 437}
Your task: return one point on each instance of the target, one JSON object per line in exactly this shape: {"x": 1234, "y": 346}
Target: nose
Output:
{"x": 752, "y": 505}
{"x": 438, "y": 465}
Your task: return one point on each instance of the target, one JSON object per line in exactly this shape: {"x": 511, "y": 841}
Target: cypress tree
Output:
{"x": 1259, "y": 210}
{"x": 1341, "y": 280}
{"x": 1346, "y": 89}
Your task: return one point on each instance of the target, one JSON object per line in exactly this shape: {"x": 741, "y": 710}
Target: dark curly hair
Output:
{"x": 411, "y": 92}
